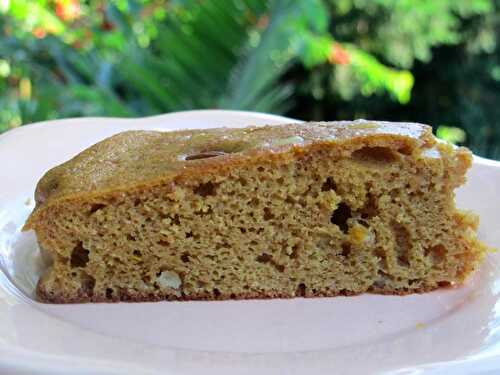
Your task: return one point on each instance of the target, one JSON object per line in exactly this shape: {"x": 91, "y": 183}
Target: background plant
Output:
{"x": 427, "y": 61}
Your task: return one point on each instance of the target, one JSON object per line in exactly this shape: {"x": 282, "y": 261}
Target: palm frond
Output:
{"x": 263, "y": 64}
{"x": 211, "y": 60}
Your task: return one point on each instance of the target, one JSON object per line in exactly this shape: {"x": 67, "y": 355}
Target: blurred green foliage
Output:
{"x": 428, "y": 61}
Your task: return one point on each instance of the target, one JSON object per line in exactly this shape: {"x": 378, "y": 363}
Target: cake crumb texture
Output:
{"x": 298, "y": 210}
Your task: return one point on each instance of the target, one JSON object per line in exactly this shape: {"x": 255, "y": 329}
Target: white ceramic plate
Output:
{"x": 451, "y": 331}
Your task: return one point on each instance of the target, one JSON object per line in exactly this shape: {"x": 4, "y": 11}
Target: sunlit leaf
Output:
{"x": 374, "y": 76}
{"x": 451, "y": 134}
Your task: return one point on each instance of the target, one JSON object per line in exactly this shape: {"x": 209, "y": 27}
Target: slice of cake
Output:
{"x": 314, "y": 209}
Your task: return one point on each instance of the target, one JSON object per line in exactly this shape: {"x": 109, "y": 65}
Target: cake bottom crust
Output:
{"x": 125, "y": 296}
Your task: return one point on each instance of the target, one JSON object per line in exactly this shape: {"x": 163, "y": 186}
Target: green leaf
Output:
{"x": 374, "y": 76}
{"x": 451, "y": 134}
{"x": 316, "y": 50}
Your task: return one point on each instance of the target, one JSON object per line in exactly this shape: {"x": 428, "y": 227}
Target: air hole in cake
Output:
{"x": 329, "y": 184}
{"x": 301, "y": 290}
{"x": 137, "y": 202}
{"x": 95, "y": 207}
{"x": 206, "y": 189}
{"x": 223, "y": 245}
{"x": 340, "y": 217}
{"x": 216, "y": 292}
{"x": 185, "y": 257}
{"x": 402, "y": 243}
{"x": 79, "y": 256}
{"x": 264, "y": 258}
{"x": 405, "y": 150}
{"x": 444, "y": 284}
{"x": 375, "y": 155}
{"x": 279, "y": 267}
{"x": 88, "y": 283}
{"x": 205, "y": 155}
{"x": 109, "y": 293}
{"x": 175, "y": 220}
{"x": 130, "y": 237}
{"x": 268, "y": 215}
{"x": 346, "y": 249}
{"x": 438, "y": 253}
{"x": 254, "y": 202}
{"x": 189, "y": 234}
{"x": 363, "y": 222}
{"x": 137, "y": 253}
{"x": 370, "y": 208}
